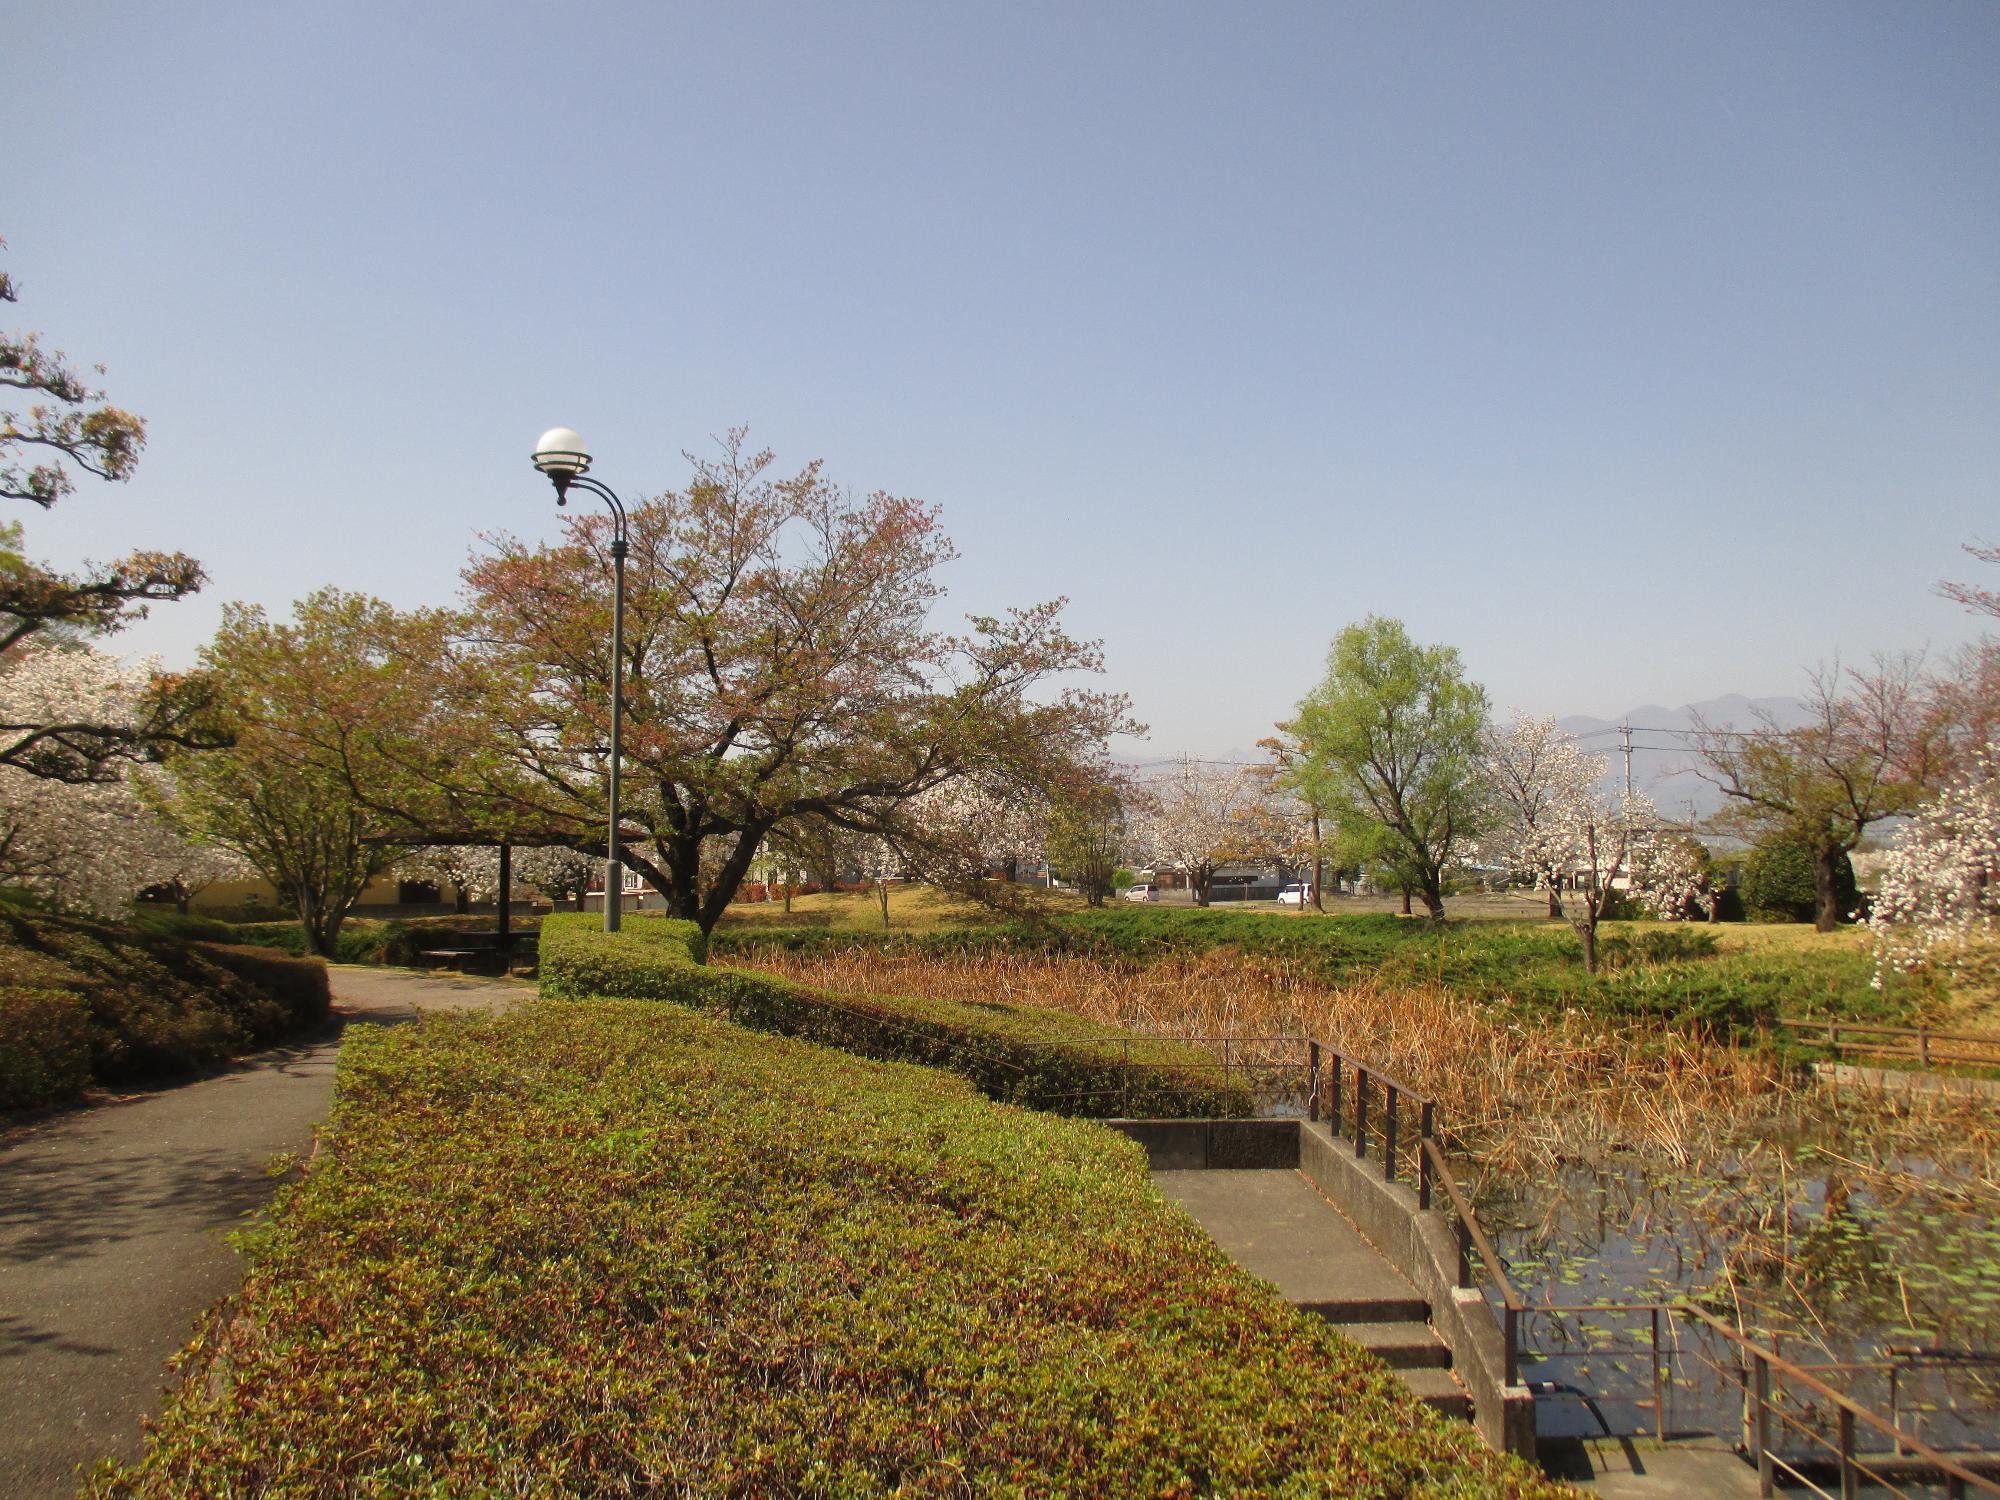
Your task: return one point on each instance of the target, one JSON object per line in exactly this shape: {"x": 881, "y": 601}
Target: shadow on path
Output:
{"x": 114, "y": 1220}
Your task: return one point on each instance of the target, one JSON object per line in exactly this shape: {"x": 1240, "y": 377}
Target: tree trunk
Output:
{"x": 461, "y": 900}
{"x": 1319, "y": 868}
{"x": 788, "y": 895}
{"x": 321, "y": 926}
{"x": 1406, "y": 901}
{"x": 1587, "y": 931}
{"x": 1555, "y": 902}
{"x": 882, "y": 892}
{"x": 1826, "y": 899}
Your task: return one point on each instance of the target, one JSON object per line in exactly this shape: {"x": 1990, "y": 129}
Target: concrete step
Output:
{"x": 1440, "y": 1391}
{"x": 1365, "y": 1311}
{"x": 1401, "y": 1346}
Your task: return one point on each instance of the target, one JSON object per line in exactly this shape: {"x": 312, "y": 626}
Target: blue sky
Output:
{"x": 1644, "y": 353}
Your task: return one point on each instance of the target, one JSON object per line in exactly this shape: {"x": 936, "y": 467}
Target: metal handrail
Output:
{"x": 1957, "y": 1475}
{"x": 1431, "y": 1168}
{"x": 1471, "y": 1237}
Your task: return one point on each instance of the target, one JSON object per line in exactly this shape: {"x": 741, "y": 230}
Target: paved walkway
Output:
{"x": 1275, "y": 1225}
{"x": 112, "y": 1219}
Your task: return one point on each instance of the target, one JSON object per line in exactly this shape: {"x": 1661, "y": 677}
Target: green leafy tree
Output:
{"x": 1087, "y": 834}
{"x": 275, "y": 796}
{"x": 1779, "y": 882}
{"x": 1392, "y": 738}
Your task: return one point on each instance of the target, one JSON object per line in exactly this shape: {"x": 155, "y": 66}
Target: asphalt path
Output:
{"x": 113, "y": 1218}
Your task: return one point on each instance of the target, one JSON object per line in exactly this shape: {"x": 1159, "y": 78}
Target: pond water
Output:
{"x": 1847, "y": 1264}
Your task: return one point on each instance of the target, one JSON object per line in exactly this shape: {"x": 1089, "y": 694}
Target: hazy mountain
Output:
{"x": 1663, "y": 758}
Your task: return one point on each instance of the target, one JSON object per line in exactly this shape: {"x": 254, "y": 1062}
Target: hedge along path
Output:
{"x": 617, "y": 1247}
{"x": 85, "y": 1002}
{"x": 1043, "y": 1059}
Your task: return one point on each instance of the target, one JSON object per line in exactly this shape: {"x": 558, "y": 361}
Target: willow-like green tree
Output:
{"x": 1390, "y": 740}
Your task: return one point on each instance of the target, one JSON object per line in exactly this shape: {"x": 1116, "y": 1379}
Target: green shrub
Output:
{"x": 1040, "y": 1058}
{"x": 300, "y": 987}
{"x": 1778, "y": 884}
{"x": 151, "y": 1005}
{"x": 362, "y": 940}
{"x": 190, "y": 925}
{"x": 617, "y": 1248}
{"x": 44, "y": 1046}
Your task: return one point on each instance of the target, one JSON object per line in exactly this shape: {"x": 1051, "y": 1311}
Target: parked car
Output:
{"x": 1294, "y": 895}
{"x": 1147, "y": 892}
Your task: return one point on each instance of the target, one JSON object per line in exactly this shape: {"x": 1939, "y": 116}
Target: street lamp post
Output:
{"x": 560, "y": 454}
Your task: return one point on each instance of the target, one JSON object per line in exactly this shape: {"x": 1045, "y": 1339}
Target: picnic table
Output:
{"x": 467, "y": 948}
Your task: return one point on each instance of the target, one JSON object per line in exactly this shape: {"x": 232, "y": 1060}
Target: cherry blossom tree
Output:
{"x": 471, "y": 870}
{"x": 1940, "y": 888}
{"x": 956, "y": 834}
{"x": 1535, "y": 776}
{"x": 1552, "y": 824}
{"x": 559, "y": 873}
{"x": 1672, "y": 876}
{"x": 89, "y": 843}
{"x": 1194, "y": 820}
{"x": 181, "y": 866}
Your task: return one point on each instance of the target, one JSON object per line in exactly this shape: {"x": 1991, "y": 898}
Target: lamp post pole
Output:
{"x": 561, "y": 455}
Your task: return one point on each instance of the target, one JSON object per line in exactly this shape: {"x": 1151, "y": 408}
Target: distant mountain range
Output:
{"x": 1663, "y": 757}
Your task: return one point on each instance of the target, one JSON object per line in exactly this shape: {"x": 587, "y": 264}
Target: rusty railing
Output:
{"x": 1926, "y": 1046}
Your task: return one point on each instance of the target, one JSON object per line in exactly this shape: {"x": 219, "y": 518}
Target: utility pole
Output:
{"x": 1625, "y": 730}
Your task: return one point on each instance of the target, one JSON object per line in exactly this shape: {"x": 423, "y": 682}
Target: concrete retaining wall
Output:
{"x": 1190, "y": 1145}
{"x": 1420, "y": 1245}
{"x": 1423, "y": 1247}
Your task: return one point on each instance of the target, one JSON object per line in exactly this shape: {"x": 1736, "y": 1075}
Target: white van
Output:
{"x": 1146, "y": 892}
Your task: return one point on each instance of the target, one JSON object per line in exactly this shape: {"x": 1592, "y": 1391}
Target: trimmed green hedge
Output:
{"x": 86, "y": 1001}
{"x": 618, "y": 1248}
{"x": 1040, "y": 1058}
{"x": 362, "y": 940}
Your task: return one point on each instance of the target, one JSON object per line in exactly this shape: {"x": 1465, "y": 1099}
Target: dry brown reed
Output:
{"x": 1518, "y": 1093}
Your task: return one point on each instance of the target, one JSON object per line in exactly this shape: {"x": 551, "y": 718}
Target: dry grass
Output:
{"x": 912, "y": 908}
{"x": 1518, "y": 1095}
